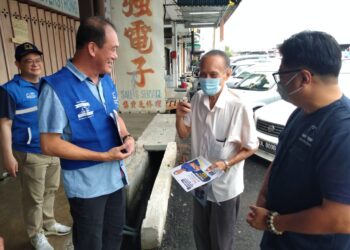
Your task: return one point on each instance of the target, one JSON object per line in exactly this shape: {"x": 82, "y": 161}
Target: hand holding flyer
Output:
{"x": 195, "y": 173}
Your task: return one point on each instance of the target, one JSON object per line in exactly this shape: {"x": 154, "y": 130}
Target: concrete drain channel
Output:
{"x": 149, "y": 184}
{"x": 137, "y": 211}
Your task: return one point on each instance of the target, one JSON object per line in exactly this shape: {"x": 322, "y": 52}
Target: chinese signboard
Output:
{"x": 140, "y": 66}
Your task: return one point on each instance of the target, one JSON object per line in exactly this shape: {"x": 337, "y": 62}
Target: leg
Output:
{"x": 201, "y": 225}
{"x": 32, "y": 172}
{"x": 87, "y": 217}
{"x": 222, "y": 224}
{"x": 52, "y": 182}
{"x": 114, "y": 220}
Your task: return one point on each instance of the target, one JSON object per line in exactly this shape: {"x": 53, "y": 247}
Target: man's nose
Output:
{"x": 115, "y": 56}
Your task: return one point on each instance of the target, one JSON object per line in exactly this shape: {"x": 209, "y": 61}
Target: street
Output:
{"x": 178, "y": 231}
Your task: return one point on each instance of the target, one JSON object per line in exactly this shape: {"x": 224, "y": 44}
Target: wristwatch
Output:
{"x": 126, "y": 137}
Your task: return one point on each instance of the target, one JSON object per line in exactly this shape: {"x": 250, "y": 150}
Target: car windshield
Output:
{"x": 257, "y": 82}
{"x": 243, "y": 74}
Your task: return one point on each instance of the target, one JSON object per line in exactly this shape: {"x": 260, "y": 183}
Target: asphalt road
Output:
{"x": 178, "y": 231}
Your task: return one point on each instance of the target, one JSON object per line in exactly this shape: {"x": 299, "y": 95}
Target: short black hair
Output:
{"x": 314, "y": 50}
{"x": 216, "y": 52}
{"x": 92, "y": 29}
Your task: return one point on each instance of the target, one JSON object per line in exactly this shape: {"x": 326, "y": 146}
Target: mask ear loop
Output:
{"x": 296, "y": 90}
{"x": 291, "y": 79}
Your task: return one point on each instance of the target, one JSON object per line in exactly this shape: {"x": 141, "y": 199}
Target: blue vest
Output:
{"x": 91, "y": 124}
{"x": 25, "y": 125}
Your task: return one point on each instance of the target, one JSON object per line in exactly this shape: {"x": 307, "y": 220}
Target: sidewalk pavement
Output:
{"x": 137, "y": 123}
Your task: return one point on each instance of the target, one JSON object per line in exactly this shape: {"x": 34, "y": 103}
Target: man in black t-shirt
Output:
{"x": 304, "y": 202}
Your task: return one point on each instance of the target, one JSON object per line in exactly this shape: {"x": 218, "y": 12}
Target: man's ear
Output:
{"x": 306, "y": 76}
{"x": 228, "y": 72}
{"x": 17, "y": 65}
{"x": 92, "y": 48}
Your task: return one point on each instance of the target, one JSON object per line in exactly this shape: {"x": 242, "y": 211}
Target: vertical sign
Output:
{"x": 140, "y": 67}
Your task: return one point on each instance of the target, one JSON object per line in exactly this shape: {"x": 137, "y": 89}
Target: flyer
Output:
{"x": 195, "y": 173}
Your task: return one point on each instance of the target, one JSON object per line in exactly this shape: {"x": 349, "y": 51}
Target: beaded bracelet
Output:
{"x": 269, "y": 222}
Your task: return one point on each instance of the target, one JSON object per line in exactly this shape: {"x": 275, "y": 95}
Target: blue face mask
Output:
{"x": 210, "y": 86}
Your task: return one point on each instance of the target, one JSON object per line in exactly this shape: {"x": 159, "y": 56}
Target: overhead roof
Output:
{"x": 203, "y": 2}
{"x": 200, "y": 13}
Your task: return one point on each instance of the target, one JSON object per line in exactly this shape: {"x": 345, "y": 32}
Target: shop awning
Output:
{"x": 200, "y": 13}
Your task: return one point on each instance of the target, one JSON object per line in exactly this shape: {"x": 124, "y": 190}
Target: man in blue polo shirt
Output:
{"x": 20, "y": 146}
{"x": 79, "y": 123}
{"x": 304, "y": 202}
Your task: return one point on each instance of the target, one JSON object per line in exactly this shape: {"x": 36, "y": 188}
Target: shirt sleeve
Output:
{"x": 52, "y": 117}
{"x": 243, "y": 128}
{"x": 7, "y": 105}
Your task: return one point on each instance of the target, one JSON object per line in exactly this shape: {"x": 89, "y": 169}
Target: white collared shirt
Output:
{"x": 219, "y": 134}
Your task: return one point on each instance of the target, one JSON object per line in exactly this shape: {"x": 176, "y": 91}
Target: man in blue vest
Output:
{"x": 20, "y": 146}
{"x": 79, "y": 122}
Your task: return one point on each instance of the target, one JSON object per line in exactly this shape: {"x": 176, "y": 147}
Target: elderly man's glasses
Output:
{"x": 277, "y": 75}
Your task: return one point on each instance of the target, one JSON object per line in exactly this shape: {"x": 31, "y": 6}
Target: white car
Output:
{"x": 271, "y": 119}
{"x": 258, "y": 88}
{"x": 243, "y": 69}
{"x": 234, "y": 79}
{"x": 235, "y": 60}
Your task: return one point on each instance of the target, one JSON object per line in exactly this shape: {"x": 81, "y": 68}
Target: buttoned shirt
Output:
{"x": 219, "y": 134}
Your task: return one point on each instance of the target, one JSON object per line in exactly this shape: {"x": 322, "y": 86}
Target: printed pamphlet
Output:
{"x": 195, "y": 173}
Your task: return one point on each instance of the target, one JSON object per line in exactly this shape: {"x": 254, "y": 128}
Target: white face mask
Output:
{"x": 282, "y": 88}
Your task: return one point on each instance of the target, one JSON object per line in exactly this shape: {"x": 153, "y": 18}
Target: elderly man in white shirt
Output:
{"x": 223, "y": 131}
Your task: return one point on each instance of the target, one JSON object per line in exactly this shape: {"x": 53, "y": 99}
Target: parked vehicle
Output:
{"x": 271, "y": 119}
{"x": 235, "y": 60}
{"x": 234, "y": 80}
{"x": 242, "y": 69}
{"x": 258, "y": 87}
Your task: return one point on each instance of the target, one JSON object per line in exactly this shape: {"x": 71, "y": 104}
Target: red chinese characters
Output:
{"x": 138, "y": 34}
{"x": 136, "y": 8}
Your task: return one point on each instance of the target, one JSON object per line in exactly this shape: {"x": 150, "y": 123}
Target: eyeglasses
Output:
{"x": 32, "y": 62}
{"x": 277, "y": 77}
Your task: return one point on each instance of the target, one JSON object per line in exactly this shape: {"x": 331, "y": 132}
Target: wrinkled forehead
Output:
{"x": 212, "y": 63}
